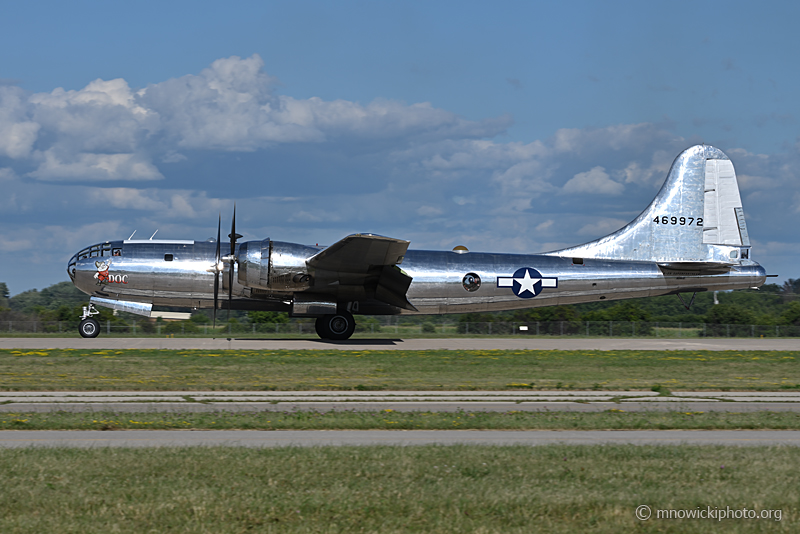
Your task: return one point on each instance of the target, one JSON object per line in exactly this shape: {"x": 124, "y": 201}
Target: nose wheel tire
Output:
{"x": 338, "y": 326}
{"x": 89, "y": 328}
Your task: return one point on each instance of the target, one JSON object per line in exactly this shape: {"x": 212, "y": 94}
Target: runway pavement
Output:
{"x": 306, "y": 438}
{"x": 486, "y": 343}
{"x": 404, "y": 401}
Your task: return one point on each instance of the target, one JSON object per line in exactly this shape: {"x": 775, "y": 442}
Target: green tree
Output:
{"x": 3, "y": 295}
{"x": 791, "y": 315}
{"x": 50, "y": 298}
{"x": 267, "y": 317}
{"x": 730, "y": 314}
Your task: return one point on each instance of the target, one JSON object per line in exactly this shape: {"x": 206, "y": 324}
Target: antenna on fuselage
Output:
{"x": 154, "y": 234}
{"x": 131, "y": 237}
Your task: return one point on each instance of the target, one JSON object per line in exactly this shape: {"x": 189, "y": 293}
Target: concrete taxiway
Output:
{"x": 404, "y": 401}
{"x": 305, "y": 438}
{"x": 512, "y": 343}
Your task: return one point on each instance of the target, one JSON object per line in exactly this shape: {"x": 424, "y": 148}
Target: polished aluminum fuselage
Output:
{"x": 141, "y": 273}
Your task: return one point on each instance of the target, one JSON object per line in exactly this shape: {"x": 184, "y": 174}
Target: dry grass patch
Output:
{"x": 159, "y": 370}
{"x": 553, "y": 488}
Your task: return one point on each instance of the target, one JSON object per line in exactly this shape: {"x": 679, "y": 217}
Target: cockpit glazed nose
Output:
{"x": 72, "y": 266}
{"x": 86, "y": 267}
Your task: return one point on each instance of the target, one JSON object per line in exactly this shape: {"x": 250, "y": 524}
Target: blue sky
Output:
{"x": 519, "y": 127}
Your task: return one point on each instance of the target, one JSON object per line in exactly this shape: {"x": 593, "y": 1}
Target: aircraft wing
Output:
{"x": 364, "y": 264}
{"x": 358, "y": 252}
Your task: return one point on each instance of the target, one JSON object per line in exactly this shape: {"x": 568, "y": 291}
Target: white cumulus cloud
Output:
{"x": 595, "y": 181}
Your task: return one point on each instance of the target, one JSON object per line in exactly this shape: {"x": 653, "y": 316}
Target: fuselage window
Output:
{"x": 167, "y": 257}
{"x": 471, "y": 282}
{"x": 116, "y": 252}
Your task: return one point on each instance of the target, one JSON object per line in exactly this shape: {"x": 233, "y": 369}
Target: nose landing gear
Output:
{"x": 89, "y": 326}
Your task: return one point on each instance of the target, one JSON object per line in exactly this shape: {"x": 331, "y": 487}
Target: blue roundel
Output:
{"x": 527, "y": 283}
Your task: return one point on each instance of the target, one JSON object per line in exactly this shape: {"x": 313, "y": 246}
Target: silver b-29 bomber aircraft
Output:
{"x": 691, "y": 238}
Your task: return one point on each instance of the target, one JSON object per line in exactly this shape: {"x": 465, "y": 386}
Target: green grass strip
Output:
{"x": 392, "y": 420}
{"x": 443, "y": 489}
{"x": 288, "y": 370}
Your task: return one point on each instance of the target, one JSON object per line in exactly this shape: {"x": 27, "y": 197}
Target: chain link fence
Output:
{"x": 429, "y": 329}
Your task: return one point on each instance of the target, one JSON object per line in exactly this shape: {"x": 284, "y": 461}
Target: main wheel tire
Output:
{"x": 89, "y": 328}
{"x": 338, "y": 326}
{"x": 319, "y": 326}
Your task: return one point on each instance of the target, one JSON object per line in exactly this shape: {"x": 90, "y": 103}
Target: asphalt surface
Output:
{"x": 307, "y": 438}
{"x": 514, "y": 343}
{"x": 403, "y": 401}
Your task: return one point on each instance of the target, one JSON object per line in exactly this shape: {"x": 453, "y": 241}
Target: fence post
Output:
{"x": 158, "y": 329}
{"x": 108, "y": 326}
{"x": 633, "y": 324}
{"x": 752, "y": 330}
{"x": 466, "y": 328}
{"x": 777, "y": 331}
{"x": 704, "y": 329}
{"x": 680, "y": 331}
{"x": 205, "y": 329}
{"x": 610, "y": 328}
{"x": 727, "y": 330}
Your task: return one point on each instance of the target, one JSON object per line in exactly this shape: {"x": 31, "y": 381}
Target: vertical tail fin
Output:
{"x": 696, "y": 217}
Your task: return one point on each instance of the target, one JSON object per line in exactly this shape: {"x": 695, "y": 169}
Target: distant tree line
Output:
{"x": 772, "y": 304}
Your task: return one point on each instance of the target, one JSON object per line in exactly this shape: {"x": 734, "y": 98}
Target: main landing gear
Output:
{"x": 89, "y": 327}
{"x": 336, "y": 326}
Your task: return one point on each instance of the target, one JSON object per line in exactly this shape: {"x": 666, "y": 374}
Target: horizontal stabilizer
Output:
{"x": 688, "y": 267}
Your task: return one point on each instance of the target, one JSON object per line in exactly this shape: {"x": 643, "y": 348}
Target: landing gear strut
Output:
{"x": 336, "y": 326}
{"x": 89, "y": 327}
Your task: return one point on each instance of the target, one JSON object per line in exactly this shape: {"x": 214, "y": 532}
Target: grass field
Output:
{"x": 155, "y": 370}
{"x": 614, "y": 419}
{"x": 443, "y": 489}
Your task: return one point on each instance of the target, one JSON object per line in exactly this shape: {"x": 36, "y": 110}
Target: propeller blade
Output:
{"x": 216, "y": 272}
{"x": 233, "y": 236}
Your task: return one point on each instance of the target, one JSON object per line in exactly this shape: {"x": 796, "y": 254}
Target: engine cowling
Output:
{"x": 274, "y": 265}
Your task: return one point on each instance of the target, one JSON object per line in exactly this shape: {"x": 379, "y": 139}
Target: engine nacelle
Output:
{"x": 274, "y": 265}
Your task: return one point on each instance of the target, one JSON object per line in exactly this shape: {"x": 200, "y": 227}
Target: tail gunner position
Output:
{"x": 691, "y": 238}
